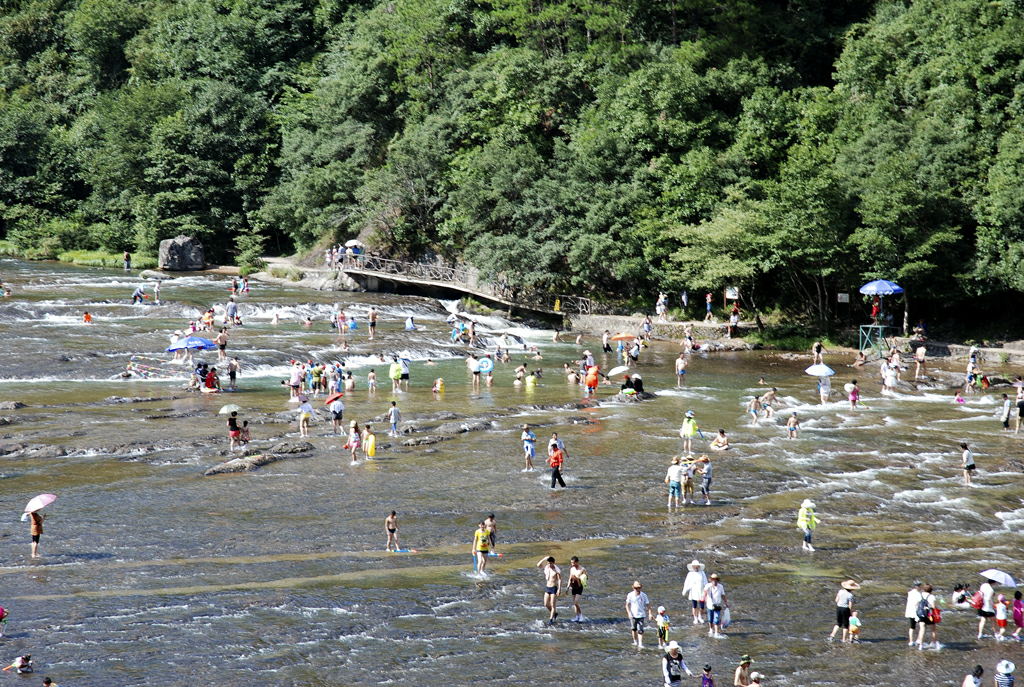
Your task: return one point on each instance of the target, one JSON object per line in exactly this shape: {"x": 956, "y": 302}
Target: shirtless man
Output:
{"x": 391, "y": 527}
{"x": 754, "y": 408}
{"x": 492, "y": 528}
{"x": 552, "y": 583}
{"x": 681, "y": 362}
{"x": 767, "y": 400}
{"x": 919, "y": 362}
{"x": 373, "y": 322}
{"x": 793, "y": 426}
{"x": 575, "y": 585}
{"x": 222, "y": 344}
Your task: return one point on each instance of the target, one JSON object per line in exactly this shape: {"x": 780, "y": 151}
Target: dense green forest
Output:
{"x": 612, "y": 147}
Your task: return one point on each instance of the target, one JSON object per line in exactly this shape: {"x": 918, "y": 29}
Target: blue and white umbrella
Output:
{"x": 196, "y": 343}
{"x": 881, "y": 287}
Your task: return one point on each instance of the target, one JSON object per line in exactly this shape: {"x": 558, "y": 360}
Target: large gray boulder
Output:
{"x": 182, "y": 253}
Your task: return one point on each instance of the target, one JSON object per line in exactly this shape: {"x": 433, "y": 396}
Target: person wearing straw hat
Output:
{"x": 693, "y": 589}
{"x": 674, "y": 480}
{"x": 806, "y": 522}
{"x": 1004, "y": 674}
{"x": 741, "y": 678}
{"x": 638, "y": 610}
{"x": 716, "y": 602}
{"x": 844, "y": 606}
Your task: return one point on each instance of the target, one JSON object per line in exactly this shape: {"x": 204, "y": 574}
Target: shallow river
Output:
{"x": 154, "y": 574}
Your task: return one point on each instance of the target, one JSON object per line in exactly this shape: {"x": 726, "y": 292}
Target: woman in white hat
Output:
{"x": 844, "y": 607}
{"x": 806, "y": 522}
{"x": 693, "y": 589}
{"x": 1004, "y": 674}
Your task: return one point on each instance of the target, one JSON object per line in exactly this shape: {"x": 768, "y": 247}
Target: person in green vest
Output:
{"x": 687, "y": 431}
{"x": 807, "y": 521}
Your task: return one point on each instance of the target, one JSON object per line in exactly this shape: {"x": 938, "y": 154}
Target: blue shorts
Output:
{"x": 680, "y": 373}
{"x": 675, "y": 489}
{"x": 529, "y": 450}
{"x": 714, "y": 617}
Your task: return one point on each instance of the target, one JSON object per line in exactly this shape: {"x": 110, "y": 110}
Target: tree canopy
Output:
{"x": 791, "y": 147}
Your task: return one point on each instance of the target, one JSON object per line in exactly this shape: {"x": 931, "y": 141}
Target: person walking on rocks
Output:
{"x": 910, "y": 611}
{"x": 673, "y": 666}
{"x": 638, "y": 610}
{"x": 693, "y": 589}
{"x": 575, "y": 585}
{"x": 844, "y": 606}
{"x": 552, "y": 582}
{"x": 716, "y": 602}
{"x": 807, "y": 522}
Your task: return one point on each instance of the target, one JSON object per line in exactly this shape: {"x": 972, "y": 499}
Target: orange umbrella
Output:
{"x": 622, "y": 336}
{"x": 332, "y": 398}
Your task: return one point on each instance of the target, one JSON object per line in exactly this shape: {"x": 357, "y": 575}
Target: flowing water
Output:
{"x": 154, "y": 574}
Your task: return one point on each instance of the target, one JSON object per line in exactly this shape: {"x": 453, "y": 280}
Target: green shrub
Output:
{"x": 99, "y": 258}
{"x": 289, "y": 273}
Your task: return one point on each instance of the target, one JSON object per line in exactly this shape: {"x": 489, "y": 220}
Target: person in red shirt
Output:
{"x": 556, "y": 457}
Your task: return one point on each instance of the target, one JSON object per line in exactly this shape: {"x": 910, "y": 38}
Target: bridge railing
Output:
{"x": 463, "y": 278}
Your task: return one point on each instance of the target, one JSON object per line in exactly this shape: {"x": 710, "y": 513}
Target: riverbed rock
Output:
{"x": 182, "y": 253}
{"x": 633, "y": 398}
{"x": 463, "y": 427}
{"x": 5, "y": 421}
{"x": 291, "y": 448}
{"x": 243, "y": 464}
{"x": 11, "y": 405}
{"x": 422, "y": 441}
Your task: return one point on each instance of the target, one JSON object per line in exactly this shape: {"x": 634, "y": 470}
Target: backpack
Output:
{"x": 923, "y": 609}
{"x": 978, "y": 600}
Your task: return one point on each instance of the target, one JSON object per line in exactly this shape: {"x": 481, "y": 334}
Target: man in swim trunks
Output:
{"x": 234, "y": 367}
{"x": 552, "y": 582}
{"x": 391, "y": 527}
{"x": 373, "y": 322}
{"x": 793, "y": 426}
{"x": 575, "y": 584}
{"x": 481, "y": 546}
{"x": 681, "y": 363}
{"x": 222, "y": 344}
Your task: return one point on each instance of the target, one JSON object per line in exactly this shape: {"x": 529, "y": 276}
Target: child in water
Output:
{"x": 854, "y": 626}
{"x": 22, "y": 664}
{"x": 663, "y": 624}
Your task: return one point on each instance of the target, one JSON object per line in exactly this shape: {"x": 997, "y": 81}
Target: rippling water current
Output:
{"x": 154, "y": 574}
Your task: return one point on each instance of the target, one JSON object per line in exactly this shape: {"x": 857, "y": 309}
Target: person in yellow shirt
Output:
{"x": 481, "y": 547}
{"x": 806, "y": 521}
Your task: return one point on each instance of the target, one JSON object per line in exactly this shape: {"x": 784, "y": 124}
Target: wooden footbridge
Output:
{"x": 372, "y": 272}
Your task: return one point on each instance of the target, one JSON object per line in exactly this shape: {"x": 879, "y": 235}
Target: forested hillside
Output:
{"x": 793, "y": 147}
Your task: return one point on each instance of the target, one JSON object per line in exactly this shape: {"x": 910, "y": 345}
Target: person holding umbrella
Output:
{"x": 36, "y": 519}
